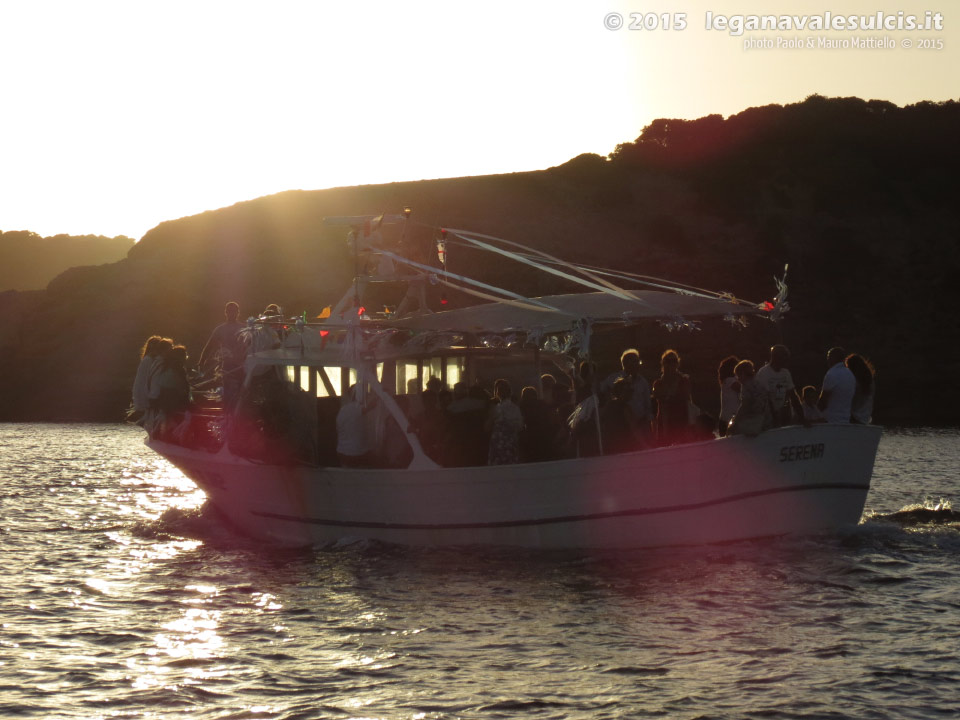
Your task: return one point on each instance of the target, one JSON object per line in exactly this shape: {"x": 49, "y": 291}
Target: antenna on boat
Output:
{"x": 442, "y": 255}
{"x": 407, "y": 211}
{"x": 356, "y": 268}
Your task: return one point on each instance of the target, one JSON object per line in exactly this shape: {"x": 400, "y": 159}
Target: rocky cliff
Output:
{"x": 29, "y": 261}
{"x": 857, "y": 197}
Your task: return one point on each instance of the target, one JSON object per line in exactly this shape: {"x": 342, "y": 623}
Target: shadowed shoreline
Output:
{"x": 855, "y": 196}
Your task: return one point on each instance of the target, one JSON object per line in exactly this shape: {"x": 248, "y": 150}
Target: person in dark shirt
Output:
{"x": 226, "y": 349}
{"x": 464, "y": 442}
{"x": 671, "y": 391}
{"x": 536, "y": 438}
{"x": 619, "y": 424}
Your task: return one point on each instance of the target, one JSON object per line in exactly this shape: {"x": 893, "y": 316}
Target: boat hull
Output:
{"x": 787, "y": 481}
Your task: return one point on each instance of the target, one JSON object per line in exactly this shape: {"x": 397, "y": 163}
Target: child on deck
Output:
{"x": 811, "y": 413}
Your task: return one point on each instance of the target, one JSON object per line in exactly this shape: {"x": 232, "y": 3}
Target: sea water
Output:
{"x": 122, "y": 595}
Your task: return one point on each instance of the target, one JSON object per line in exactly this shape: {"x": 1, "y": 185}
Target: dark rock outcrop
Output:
{"x": 857, "y": 197}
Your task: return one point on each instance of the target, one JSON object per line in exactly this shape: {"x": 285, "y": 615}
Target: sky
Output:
{"x": 116, "y": 116}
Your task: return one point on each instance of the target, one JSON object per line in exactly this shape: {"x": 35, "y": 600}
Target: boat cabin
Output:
{"x": 298, "y": 375}
{"x": 298, "y": 389}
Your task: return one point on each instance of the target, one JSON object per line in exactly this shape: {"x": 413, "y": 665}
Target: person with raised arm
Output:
{"x": 753, "y": 414}
{"x": 775, "y": 378}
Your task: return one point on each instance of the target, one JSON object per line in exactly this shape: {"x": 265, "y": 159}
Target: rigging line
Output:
{"x": 544, "y": 265}
{"x": 610, "y": 288}
{"x": 470, "y": 281}
{"x": 616, "y": 290}
{"x": 505, "y": 301}
{"x": 660, "y": 282}
{"x": 648, "y": 280}
{"x": 592, "y": 271}
{"x": 601, "y": 285}
{"x": 655, "y": 282}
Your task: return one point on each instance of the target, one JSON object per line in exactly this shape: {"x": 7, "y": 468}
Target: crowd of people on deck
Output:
{"x": 768, "y": 397}
{"x": 161, "y": 389}
{"x": 163, "y": 386}
{"x": 624, "y": 412}
{"x": 573, "y": 416}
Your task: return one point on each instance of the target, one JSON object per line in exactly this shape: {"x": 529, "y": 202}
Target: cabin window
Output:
{"x": 456, "y": 370}
{"x": 336, "y": 378}
{"x": 299, "y": 376}
{"x": 407, "y": 374}
{"x": 432, "y": 367}
{"x": 387, "y": 374}
{"x": 310, "y": 379}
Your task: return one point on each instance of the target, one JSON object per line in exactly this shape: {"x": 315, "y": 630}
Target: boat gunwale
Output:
{"x": 225, "y": 457}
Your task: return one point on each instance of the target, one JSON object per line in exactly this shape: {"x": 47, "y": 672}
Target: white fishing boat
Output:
{"x": 292, "y": 490}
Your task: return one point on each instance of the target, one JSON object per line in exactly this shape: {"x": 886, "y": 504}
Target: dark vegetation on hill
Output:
{"x": 29, "y": 261}
{"x": 859, "y": 198}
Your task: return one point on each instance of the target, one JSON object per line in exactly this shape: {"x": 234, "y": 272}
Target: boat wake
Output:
{"x": 928, "y": 513}
{"x": 205, "y": 523}
{"x": 930, "y": 526}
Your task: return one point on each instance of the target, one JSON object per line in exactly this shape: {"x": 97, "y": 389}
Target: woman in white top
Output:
{"x": 148, "y": 362}
{"x": 729, "y": 392}
{"x": 753, "y": 415}
{"x": 504, "y": 423}
{"x": 861, "y": 409}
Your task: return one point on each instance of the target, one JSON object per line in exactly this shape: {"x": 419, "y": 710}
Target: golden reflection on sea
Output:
{"x": 124, "y": 595}
{"x": 154, "y": 486}
{"x": 185, "y": 644}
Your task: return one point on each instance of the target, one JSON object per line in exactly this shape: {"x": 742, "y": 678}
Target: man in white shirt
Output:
{"x": 776, "y": 379}
{"x": 839, "y": 385}
{"x": 352, "y": 447}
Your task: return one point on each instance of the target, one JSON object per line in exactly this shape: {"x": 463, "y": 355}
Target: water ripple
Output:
{"x": 122, "y": 594}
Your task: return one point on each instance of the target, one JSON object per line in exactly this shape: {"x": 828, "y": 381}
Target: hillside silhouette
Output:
{"x": 858, "y": 197}
{"x": 29, "y": 261}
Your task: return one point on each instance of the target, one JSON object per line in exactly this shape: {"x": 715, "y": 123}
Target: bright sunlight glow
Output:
{"x": 118, "y": 115}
